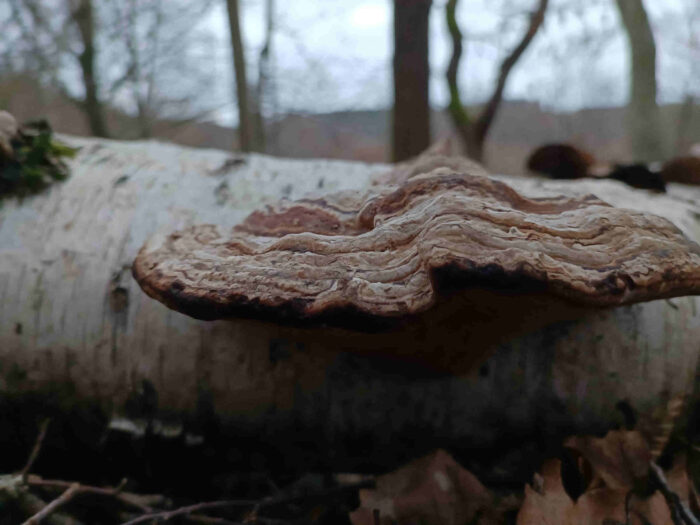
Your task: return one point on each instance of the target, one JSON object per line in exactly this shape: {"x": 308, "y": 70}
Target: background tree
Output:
{"x": 644, "y": 118}
{"x": 244, "y": 127}
{"x": 411, "y": 114}
{"x": 472, "y": 131}
{"x": 161, "y": 70}
{"x": 84, "y": 18}
{"x": 686, "y": 54}
{"x": 52, "y": 33}
{"x": 265, "y": 91}
{"x": 137, "y": 32}
{"x": 148, "y": 44}
{"x": 114, "y": 56}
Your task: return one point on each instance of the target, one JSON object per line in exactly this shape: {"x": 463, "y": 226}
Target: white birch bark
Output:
{"x": 74, "y": 323}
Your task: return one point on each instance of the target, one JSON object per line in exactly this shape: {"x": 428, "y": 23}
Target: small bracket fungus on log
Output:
{"x": 561, "y": 161}
{"x": 685, "y": 170}
{"x": 355, "y": 260}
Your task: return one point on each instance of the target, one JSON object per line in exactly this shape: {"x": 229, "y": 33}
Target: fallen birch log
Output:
{"x": 76, "y": 327}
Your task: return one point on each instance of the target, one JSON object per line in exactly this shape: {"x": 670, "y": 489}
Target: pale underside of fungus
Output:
{"x": 397, "y": 251}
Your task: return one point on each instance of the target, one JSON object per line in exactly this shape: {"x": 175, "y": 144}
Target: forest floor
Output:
{"x": 626, "y": 477}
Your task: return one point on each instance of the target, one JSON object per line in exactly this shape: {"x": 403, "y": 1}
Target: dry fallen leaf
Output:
{"x": 658, "y": 425}
{"x": 617, "y": 461}
{"x": 549, "y": 504}
{"x": 611, "y": 477}
{"x": 433, "y": 490}
{"x": 679, "y": 482}
{"x": 614, "y": 469}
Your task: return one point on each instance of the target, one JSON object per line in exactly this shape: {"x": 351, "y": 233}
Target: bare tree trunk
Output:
{"x": 474, "y": 132}
{"x": 411, "y": 114}
{"x": 265, "y": 96}
{"x": 644, "y": 118}
{"x": 460, "y": 117}
{"x": 135, "y": 72}
{"x": 685, "y": 125}
{"x": 144, "y": 119}
{"x": 244, "y": 128}
{"x": 85, "y": 21}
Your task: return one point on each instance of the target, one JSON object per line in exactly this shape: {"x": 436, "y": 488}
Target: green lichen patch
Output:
{"x": 36, "y": 161}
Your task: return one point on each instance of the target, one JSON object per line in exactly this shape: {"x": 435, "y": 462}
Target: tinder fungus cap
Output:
{"x": 401, "y": 250}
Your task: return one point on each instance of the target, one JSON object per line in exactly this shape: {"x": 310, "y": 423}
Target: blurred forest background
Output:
{"x": 370, "y": 80}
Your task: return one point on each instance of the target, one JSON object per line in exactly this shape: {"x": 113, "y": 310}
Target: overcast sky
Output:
{"x": 332, "y": 55}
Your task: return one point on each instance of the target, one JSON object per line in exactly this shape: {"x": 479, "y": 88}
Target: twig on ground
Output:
{"x": 688, "y": 444}
{"x": 257, "y": 504}
{"x": 55, "y": 504}
{"x": 43, "y": 427}
{"x": 29, "y": 504}
{"x": 209, "y": 520}
{"x": 628, "y": 500}
{"x": 127, "y": 498}
{"x": 189, "y": 509}
{"x": 675, "y": 505}
{"x": 190, "y": 512}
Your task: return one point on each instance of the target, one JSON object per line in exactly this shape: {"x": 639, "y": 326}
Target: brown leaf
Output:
{"x": 679, "y": 481}
{"x": 432, "y": 490}
{"x": 658, "y": 426}
{"x": 617, "y": 461}
{"x": 546, "y": 502}
{"x": 549, "y": 504}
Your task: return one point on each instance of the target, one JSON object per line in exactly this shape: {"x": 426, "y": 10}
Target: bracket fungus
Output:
{"x": 685, "y": 170}
{"x": 365, "y": 260}
{"x": 560, "y": 161}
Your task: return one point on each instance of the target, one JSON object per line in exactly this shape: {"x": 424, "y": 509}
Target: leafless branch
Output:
{"x": 487, "y": 115}
{"x": 473, "y": 132}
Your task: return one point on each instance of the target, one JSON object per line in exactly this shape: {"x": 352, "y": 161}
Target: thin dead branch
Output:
{"x": 255, "y": 504}
{"x": 43, "y": 428}
{"x": 128, "y": 498}
{"x": 675, "y": 505}
{"x": 189, "y": 509}
{"x": 64, "y": 498}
